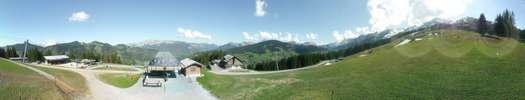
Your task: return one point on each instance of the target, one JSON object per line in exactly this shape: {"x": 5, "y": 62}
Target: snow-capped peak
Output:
{"x": 151, "y": 42}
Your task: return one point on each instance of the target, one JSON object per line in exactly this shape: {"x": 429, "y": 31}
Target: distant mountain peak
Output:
{"x": 177, "y": 48}
{"x": 275, "y": 45}
{"x": 310, "y": 43}
{"x": 151, "y": 42}
{"x": 230, "y": 45}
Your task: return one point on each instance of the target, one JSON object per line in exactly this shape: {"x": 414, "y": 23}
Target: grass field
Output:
{"x": 119, "y": 80}
{"x": 455, "y": 65}
{"x": 18, "y": 83}
{"x": 73, "y": 79}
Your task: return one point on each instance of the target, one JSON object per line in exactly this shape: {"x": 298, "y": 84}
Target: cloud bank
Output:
{"x": 281, "y": 36}
{"x": 193, "y": 34}
{"x": 349, "y": 34}
{"x": 79, "y": 17}
{"x": 6, "y": 41}
{"x": 397, "y": 14}
{"x": 311, "y": 36}
{"x": 387, "y": 14}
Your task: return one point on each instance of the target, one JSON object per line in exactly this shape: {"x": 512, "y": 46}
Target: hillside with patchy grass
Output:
{"x": 19, "y": 83}
{"x": 73, "y": 79}
{"x": 450, "y": 64}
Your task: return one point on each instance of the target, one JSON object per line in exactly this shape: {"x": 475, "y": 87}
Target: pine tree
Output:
{"x": 522, "y": 35}
{"x": 505, "y": 25}
{"x": 2, "y": 53}
{"x": 11, "y": 52}
{"x": 499, "y": 26}
{"x": 48, "y": 53}
{"x": 482, "y": 24}
{"x": 34, "y": 55}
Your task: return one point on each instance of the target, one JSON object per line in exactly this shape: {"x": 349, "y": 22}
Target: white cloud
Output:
{"x": 192, "y": 34}
{"x": 281, "y": 36}
{"x": 311, "y": 36}
{"x": 260, "y": 5}
{"x": 247, "y": 36}
{"x": 338, "y": 36}
{"x": 386, "y": 14}
{"x": 49, "y": 43}
{"x": 341, "y": 36}
{"x": 5, "y": 41}
{"x": 349, "y": 34}
{"x": 268, "y": 35}
{"x": 79, "y": 17}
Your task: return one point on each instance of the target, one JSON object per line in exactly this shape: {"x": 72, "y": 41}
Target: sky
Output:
{"x": 47, "y": 22}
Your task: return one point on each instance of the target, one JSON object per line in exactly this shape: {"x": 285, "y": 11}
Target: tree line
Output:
{"x": 8, "y": 52}
{"x": 36, "y": 55}
{"x": 108, "y": 57}
{"x": 309, "y": 59}
{"x": 32, "y": 54}
{"x": 503, "y": 26}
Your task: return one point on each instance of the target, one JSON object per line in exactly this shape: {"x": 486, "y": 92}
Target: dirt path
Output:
{"x": 270, "y": 72}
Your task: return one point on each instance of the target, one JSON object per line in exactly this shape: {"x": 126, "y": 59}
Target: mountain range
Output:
{"x": 275, "y": 45}
{"x": 140, "y": 52}
{"x": 75, "y": 49}
{"x": 178, "y": 49}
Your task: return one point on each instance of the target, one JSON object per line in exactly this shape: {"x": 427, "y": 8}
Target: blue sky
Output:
{"x": 214, "y": 21}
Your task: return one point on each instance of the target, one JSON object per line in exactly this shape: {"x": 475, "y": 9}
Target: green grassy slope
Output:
{"x": 73, "y": 79}
{"x": 21, "y": 83}
{"x": 453, "y": 65}
{"x": 119, "y": 80}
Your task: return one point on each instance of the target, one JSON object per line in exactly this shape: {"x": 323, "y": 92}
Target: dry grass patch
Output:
{"x": 19, "y": 83}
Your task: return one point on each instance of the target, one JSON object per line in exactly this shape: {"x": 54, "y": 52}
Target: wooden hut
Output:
{"x": 190, "y": 68}
{"x": 232, "y": 62}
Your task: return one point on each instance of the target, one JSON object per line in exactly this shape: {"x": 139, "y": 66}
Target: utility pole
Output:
{"x": 25, "y": 52}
